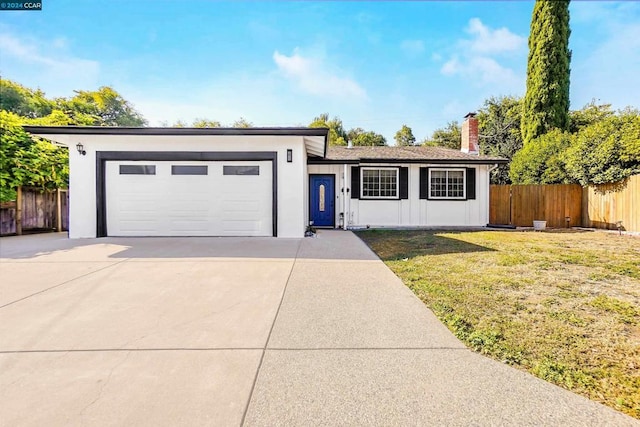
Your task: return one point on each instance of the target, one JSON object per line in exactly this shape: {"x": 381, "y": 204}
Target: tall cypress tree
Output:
{"x": 546, "y": 103}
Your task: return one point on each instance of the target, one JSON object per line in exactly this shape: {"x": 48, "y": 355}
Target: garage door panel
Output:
{"x": 241, "y": 228}
{"x": 139, "y": 227}
{"x": 198, "y": 201}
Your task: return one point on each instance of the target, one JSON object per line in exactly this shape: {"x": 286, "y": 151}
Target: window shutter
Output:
{"x": 471, "y": 183}
{"x": 404, "y": 183}
{"x": 355, "y": 182}
{"x": 424, "y": 183}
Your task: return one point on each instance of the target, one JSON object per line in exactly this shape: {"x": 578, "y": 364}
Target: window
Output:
{"x": 189, "y": 170}
{"x": 241, "y": 170}
{"x": 379, "y": 183}
{"x": 137, "y": 169}
{"x": 446, "y": 183}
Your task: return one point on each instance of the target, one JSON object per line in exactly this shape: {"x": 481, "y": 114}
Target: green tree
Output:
{"x": 546, "y": 102}
{"x": 337, "y": 134}
{"x": 28, "y": 161}
{"x": 499, "y": 132}
{"x": 23, "y": 101}
{"x": 104, "y": 107}
{"x": 404, "y": 136}
{"x": 449, "y": 137}
{"x": 179, "y": 124}
{"x": 543, "y": 160}
{"x": 242, "y": 123}
{"x": 361, "y": 138}
{"x": 606, "y": 151}
{"x": 55, "y": 118}
{"x": 204, "y": 123}
{"x": 588, "y": 115}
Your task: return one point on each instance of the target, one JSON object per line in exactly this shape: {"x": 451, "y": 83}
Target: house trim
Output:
{"x": 447, "y": 170}
{"x": 391, "y": 168}
{"x": 317, "y": 161}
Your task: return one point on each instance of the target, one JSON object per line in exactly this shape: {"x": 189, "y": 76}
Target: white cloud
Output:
{"x": 488, "y": 41}
{"x": 412, "y": 48}
{"x": 313, "y": 76}
{"x": 451, "y": 67}
{"x": 476, "y": 60}
{"x": 39, "y": 63}
{"x": 608, "y": 71}
{"x": 481, "y": 69}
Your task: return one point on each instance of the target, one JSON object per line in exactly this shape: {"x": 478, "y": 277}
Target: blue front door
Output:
{"x": 321, "y": 200}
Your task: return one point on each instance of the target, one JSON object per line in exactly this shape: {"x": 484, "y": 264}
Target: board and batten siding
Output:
{"x": 413, "y": 211}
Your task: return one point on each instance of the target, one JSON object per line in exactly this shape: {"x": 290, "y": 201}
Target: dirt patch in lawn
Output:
{"x": 563, "y": 306}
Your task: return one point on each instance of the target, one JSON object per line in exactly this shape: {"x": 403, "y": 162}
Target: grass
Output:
{"x": 564, "y": 306}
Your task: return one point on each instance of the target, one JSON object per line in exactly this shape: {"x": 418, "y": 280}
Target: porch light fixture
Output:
{"x": 289, "y": 155}
{"x": 80, "y": 149}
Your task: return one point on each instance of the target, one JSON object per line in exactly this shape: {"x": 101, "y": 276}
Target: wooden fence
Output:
{"x": 599, "y": 206}
{"x": 34, "y": 210}
{"x": 604, "y": 205}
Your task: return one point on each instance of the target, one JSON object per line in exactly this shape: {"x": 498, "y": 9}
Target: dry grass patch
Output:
{"x": 563, "y": 306}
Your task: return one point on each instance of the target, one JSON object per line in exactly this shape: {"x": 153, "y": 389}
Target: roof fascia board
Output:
{"x": 408, "y": 161}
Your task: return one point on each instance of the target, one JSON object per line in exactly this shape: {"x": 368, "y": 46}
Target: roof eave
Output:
{"x": 410, "y": 161}
{"x": 316, "y": 139}
{"x": 106, "y": 130}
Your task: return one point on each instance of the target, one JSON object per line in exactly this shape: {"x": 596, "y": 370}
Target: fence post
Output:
{"x": 19, "y": 211}
{"x": 58, "y": 211}
{"x": 510, "y": 205}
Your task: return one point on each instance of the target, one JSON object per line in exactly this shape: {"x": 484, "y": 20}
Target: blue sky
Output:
{"x": 376, "y": 65}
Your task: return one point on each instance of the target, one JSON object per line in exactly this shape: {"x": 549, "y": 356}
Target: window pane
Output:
{"x": 370, "y": 184}
{"x": 241, "y": 170}
{"x": 438, "y": 183}
{"x": 456, "y": 184}
{"x": 189, "y": 170}
{"x": 387, "y": 183}
{"x": 137, "y": 169}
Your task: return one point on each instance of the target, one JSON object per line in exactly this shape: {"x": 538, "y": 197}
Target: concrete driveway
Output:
{"x": 242, "y": 331}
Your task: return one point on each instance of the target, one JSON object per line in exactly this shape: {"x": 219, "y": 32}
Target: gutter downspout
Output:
{"x": 345, "y": 214}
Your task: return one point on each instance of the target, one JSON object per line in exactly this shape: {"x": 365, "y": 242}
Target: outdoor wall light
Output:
{"x": 80, "y": 149}
{"x": 289, "y": 155}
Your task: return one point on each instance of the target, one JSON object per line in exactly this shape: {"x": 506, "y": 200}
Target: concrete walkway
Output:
{"x": 240, "y": 331}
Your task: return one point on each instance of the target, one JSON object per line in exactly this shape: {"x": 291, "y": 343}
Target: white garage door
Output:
{"x": 151, "y": 198}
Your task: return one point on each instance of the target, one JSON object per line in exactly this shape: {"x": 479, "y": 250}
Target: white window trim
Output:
{"x": 464, "y": 183}
{"x": 396, "y": 197}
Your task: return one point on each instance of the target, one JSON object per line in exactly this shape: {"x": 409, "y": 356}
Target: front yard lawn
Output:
{"x": 563, "y": 305}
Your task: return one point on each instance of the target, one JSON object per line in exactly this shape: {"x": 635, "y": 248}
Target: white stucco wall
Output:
{"x": 292, "y": 177}
{"x": 411, "y": 212}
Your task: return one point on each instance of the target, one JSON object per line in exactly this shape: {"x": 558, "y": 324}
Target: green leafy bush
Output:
{"x": 28, "y": 162}
{"x": 542, "y": 161}
{"x": 607, "y": 150}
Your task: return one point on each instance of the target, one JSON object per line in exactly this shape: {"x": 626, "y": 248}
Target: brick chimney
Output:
{"x": 470, "y": 135}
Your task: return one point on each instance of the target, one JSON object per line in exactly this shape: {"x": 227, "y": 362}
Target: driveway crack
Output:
{"x": 266, "y": 344}
{"x": 63, "y": 283}
{"x": 104, "y": 385}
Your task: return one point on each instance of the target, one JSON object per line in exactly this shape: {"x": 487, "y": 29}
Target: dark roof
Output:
{"x": 110, "y": 130}
{"x": 414, "y": 154}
